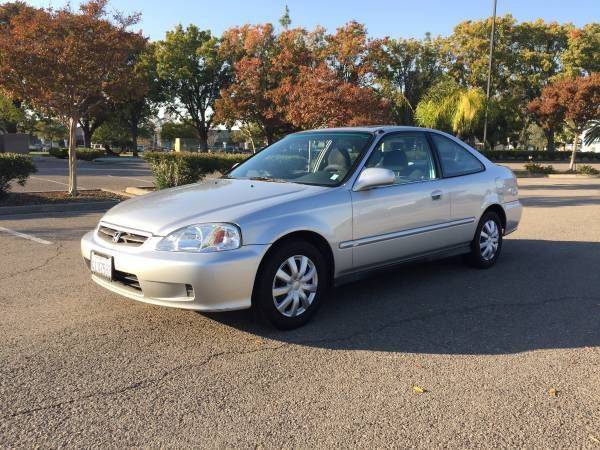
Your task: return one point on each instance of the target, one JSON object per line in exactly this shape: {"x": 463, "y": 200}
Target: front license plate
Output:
{"x": 102, "y": 266}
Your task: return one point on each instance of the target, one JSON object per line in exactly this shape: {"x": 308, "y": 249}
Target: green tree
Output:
{"x": 172, "y": 130}
{"x": 450, "y": 107}
{"x": 249, "y": 133}
{"x": 193, "y": 72}
{"x": 465, "y": 53}
{"x": 11, "y": 115}
{"x": 112, "y": 133}
{"x": 404, "y": 70}
{"x": 50, "y": 129}
{"x": 94, "y": 118}
{"x": 582, "y": 56}
{"x": 285, "y": 21}
{"x": 537, "y": 47}
{"x": 139, "y": 103}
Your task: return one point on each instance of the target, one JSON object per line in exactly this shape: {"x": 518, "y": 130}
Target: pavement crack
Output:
{"x": 141, "y": 384}
{"x": 34, "y": 268}
{"x": 149, "y": 382}
{"x": 446, "y": 312}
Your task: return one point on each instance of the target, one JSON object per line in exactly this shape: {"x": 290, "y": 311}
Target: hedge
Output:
{"x": 522, "y": 155}
{"x": 86, "y": 154}
{"x": 178, "y": 168}
{"x": 14, "y": 166}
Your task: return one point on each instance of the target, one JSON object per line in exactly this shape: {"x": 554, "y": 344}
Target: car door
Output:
{"x": 466, "y": 183}
{"x": 408, "y": 218}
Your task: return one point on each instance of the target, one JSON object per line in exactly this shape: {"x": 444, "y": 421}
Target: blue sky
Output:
{"x": 396, "y": 18}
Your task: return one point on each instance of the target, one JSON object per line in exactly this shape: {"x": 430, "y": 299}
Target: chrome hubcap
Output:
{"x": 488, "y": 240}
{"x": 295, "y": 285}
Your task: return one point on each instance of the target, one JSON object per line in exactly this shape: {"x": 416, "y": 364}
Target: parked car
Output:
{"x": 313, "y": 210}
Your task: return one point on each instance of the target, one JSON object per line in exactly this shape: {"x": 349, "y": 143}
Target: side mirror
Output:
{"x": 374, "y": 177}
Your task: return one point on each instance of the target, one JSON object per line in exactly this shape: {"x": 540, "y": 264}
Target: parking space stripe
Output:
{"x": 25, "y": 236}
{"x": 53, "y": 181}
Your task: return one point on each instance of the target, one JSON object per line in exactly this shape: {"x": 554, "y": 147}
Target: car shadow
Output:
{"x": 555, "y": 202}
{"x": 540, "y": 295}
{"x": 560, "y": 187}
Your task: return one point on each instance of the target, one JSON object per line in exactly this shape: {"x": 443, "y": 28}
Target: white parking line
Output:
{"x": 25, "y": 236}
{"x": 53, "y": 181}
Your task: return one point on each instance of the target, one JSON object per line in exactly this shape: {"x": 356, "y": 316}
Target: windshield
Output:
{"x": 322, "y": 158}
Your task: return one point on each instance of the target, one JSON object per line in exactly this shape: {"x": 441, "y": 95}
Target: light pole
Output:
{"x": 489, "y": 79}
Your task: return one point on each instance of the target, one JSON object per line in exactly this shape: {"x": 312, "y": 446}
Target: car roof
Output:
{"x": 370, "y": 129}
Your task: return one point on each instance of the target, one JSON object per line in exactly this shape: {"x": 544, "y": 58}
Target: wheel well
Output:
{"x": 314, "y": 238}
{"x": 500, "y": 211}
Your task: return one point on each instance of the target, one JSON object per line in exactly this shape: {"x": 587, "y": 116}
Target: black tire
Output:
{"x": 263, "y": 300}
{"x": 476, "y": 257}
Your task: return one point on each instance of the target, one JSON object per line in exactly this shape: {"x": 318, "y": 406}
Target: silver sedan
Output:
{"x": 313, "y": 210}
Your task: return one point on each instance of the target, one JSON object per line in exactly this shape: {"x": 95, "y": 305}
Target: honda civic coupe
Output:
{"x": 311, "y": 211}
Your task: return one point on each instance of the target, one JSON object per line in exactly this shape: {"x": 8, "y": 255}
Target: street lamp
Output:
{"x": 489, "y": 79}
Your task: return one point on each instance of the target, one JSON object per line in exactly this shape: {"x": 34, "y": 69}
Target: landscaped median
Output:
{"x": 176, "y": 169}
{"x": 14, "y": 167}
{"x": 84, "y": 154}
{"x": 57, "y": 201}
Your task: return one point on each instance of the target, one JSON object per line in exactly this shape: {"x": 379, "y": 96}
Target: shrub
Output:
{"x": 14, "y": 166}
{"x": 85, "y": 154}
{"x": 538, "y": 168}
{"x": 587, "y": 170}
{"x": 176, "y": 169}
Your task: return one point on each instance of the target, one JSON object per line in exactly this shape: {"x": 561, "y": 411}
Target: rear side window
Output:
{"x": 455, "y": 160}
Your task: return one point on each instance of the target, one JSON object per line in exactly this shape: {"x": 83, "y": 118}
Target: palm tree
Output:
{"x": 451, "y": 107}
{"x": 593, "y": 132}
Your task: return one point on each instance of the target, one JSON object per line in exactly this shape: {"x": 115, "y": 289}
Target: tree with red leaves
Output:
{"x": 65, "y": 63}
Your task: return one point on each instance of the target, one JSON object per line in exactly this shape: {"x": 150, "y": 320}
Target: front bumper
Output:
{"x": 220, "y": 281}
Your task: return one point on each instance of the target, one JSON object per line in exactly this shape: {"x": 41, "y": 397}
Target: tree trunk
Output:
{"x": 72, "y": 157}
{"x": 550, "y": 139}
{"x": 87, "y": 133}
{"x": 134, "y": 138}
{"x": 269, "y": 135}
{"x": 203, "y": 137}
{"x": 523, "y": 136}
{"x": 573, "y": 164}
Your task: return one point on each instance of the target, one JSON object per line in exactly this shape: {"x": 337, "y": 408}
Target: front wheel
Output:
{"x": 290, "y": 285}
{"x": 487, "y": 243}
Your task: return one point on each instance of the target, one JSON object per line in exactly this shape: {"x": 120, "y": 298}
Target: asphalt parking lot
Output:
{"x": 508, "y": 357}
{"x": 52, "y": 175}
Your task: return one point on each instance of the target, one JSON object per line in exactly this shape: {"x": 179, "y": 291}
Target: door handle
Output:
{"x": 436, "y": 195}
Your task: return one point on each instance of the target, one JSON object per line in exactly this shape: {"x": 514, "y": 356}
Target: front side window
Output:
{"x": 406, "y": 154}
{"x": 454, "y": 159}
{"x": 321, "y": 158}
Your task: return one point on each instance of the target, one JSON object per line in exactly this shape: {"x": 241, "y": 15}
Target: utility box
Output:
{"x": 14, "y": 143}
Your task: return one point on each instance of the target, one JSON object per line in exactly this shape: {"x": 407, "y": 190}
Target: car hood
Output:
{"x": 220, "y": 200}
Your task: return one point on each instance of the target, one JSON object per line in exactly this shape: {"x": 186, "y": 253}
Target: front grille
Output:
{"x": 127, "y": 279}
{"x": 120, "y": 236}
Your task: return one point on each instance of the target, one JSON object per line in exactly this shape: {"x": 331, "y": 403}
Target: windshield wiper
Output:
{"x": 273, "y": 180}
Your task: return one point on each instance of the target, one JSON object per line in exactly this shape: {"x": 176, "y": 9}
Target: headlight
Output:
{"x": 202, "y": 238}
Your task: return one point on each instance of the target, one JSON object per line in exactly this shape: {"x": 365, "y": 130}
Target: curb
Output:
{"x": 136, "y": 191}
{"x": 121, "y": 193}
{"x": 57, "y": 207}
{"x": 572, "y": 176}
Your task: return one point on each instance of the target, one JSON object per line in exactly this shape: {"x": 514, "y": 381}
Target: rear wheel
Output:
{"x": 291, "y": 284}
{"x": 487, "y": 243}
